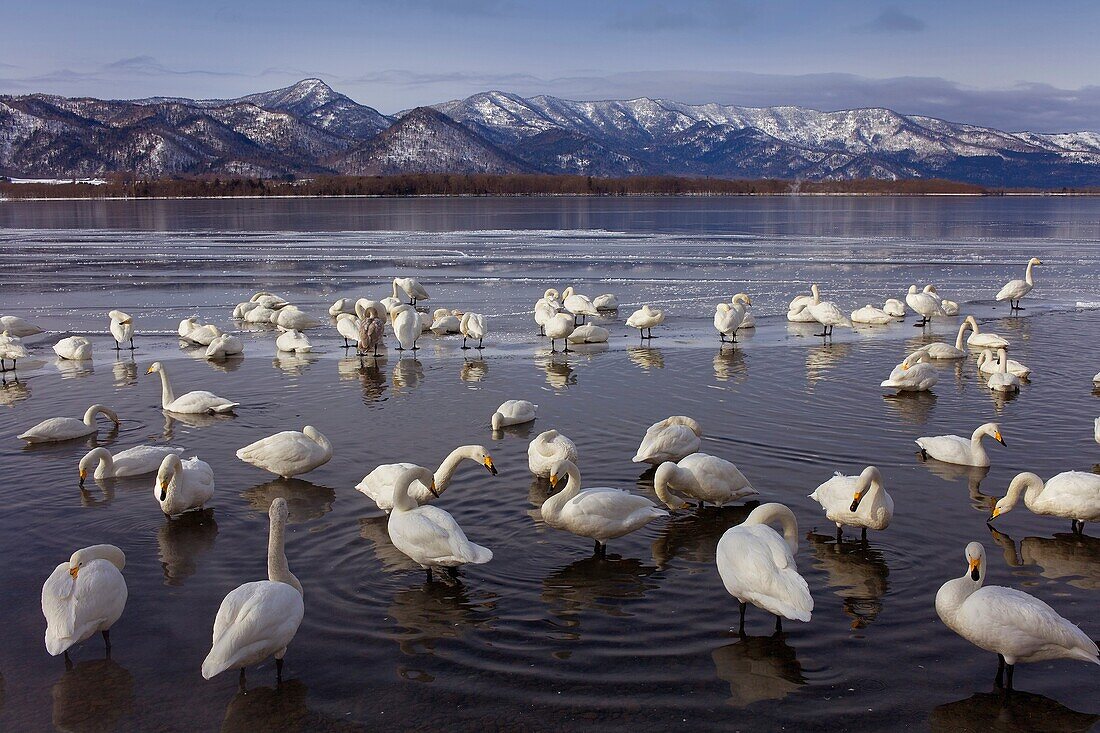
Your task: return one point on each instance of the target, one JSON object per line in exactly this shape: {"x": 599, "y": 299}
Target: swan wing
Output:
{"x": 288, "y": 449}
{"x": 76, "y": 609}
{"x": 379, "y": 484}
{"x": 756, "y": 566}
{"x": 254, "y": 621}
{"x": 200, "y": 401}
{"x": 1021, "y": 627}
{"x": 1075, "y": 493}
{"x": 431, "y": 536}
{"x": 836, "y": 493}
{"x": 142, "y": 459}
{"x": 949, "y": 448}
{"x": 608, "y": 503}
{"x": 1013, "y": 289}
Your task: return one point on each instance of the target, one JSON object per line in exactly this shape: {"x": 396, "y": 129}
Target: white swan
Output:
{"x": 1073, "y": 495}
{"x": 183, "y": 485}
{"x": 589, "y": 333}
{"x": 646, "y": 318}
{"x": 513, "y": 412}
{"x": 894, "y": 307}
{"x": 444, "y": 322}
{"x": 363, "y": 305}
{"x": 990, "y": 364}
{"x": 757, "y": 565}
{"x": 259, "y": 314}
{"x": 293, "y": 341}
{"x": 543, "y": 312}
{"x": 959, "y": 450}
{"x": 550, "y": 297}
{"x": 11, "y": 347}
{"x": 872, "y": 315}
{"x": 259, "y": 619}
{"x": 606, "y": 302}
{"x": 1001, "y": 380}
{"x": 223, "y": 346}
{"x": 56, "y": 429}
{"x": 797, "y": 311}
{"x": 1016, "y": 626}
{"x": 242, "y": 309}
{"x": 75, "y": 348}
{"x": 600, "y": 513}
{"x": 82, "y": 596}
{"x": 559, "y": 326}
{"x": 430, "y": 536}
{"x": 856, "y": 501}
{"x": 1013, "y": 290}
{"x": 406, "y": 327}
{"x": 914, "y": 374}
{"x": 825, "y": 312}
{"x": 134, "y": 461}
{"x": 17, "y": 326}
{"x": 702, "y": 477}
{"x": 943, "y": 350}
{"x": 122, "y": 328}
{"x": 343, "y": 305}
{"x": 412, "y": 288}
{"x": 380, "y": 484}
{"x": 198, "y": 401}
{"x": 728, "y": 317}
{"x": 924, "y": 304}
{"x": 347, "y": 325}
{"x": 984, "y": 340}
{"x": 473, "y": 326}
{"x": 202, "y": 334}
{"x": 578, "y": 305}
{"x": 547, "y": 449}
{"x": 269, "y": 300}
{"x": 292, "y": 318}
{"x": 289, "y": 453}
{"x": 669, "y": 440}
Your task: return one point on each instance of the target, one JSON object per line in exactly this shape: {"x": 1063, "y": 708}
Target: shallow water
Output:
{"x": 545, "y": 637}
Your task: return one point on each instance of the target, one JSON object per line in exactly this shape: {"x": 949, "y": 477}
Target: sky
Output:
{"x": 1006, "y": 64}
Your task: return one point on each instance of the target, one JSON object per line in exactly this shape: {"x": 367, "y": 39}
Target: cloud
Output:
{"x": 657, "y": 16}
{"x": 893, "y": 20}
{"x": 149, "y": 66}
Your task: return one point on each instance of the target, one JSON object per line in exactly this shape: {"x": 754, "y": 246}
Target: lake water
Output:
{"x": 547, "y": 637}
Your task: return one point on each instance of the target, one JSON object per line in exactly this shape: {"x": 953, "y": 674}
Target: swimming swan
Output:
{"x": 56, "y": 429}
{"x": 1074, "y": 495}
{"x": 198, "y": 401}
{"x": 289, "y": 453}
{"x": 134, "y": 461}
{"x": 702, "y": 477}
{"x": 1016, "y": 626}
{"x": 1001, "y": 380}
{"x": 669, "y": 440}
{"x": 984, "y": 340}
{"x": 259, "y": 619}
{"x": 380, "y": 484}
{"x": 989, "y": 364}
{"x": 1016, "y": 289}
{"x": 856, "y": 501}
{"x": 959, "y": 450}
{"x": 513, "y": 412}
{"x": 942, "y": 350}
{"x": 757, "y": 565}
{"x": 82, "y": 596}
{"x": 547, "y": 449}
{"x": 600, "y": 513}
{"x": 183, "y": 485}
{"x": 914, "y": 374}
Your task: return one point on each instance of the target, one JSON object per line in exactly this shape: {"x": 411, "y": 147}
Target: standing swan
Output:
{"x": 578, "y": 305}
{"x": 669, "y": 440}
{"x": 259, "y": 619}
{"x": 559, "y": 326}
{"x": 825, "y": 312}
{"x": 380, "y": 484}
{"x": 646, "y": 318}
{"x": 406, "y": 327}
{"x": 11, "y": 347}
{"x": 601, "y": 513}
{"x": 856, "y": 501}
{"x": 957, "y": 449}
{"x": 757, "y": 565}
{"x": 472, "y": 326}
{"x": 1016, "y": 626}
{"x": 82, "y": 596}
{"x": 547, "y": 449}
{"x": 195, "y": 402}
{"x": 798, "y": 310}
{"x": 412, "y": 288}
{"x": 289, "y": 453}
{"x": 56, "y": 429}
{"x": 703, "y": 477}
{"x": 183, "y": 486}
{"x": 1016, "y": 289}
{"x": 925, "y": 304}
{"x": 427, "y": 534}
{"x": 122, "y": 328}
{"x": 1074, "y": 495}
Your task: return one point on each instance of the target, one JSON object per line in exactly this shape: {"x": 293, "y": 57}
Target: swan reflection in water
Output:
{"x": 280, "y": 708}
{"x": 424, "y": 615}
{"x": 12, "y": 391}
{"x": 1072, "y": 558}
{"x": 694, "y": 535}
{"x": 973, "y": 475}
{"x": 473, "y": 370}
{"x": 102, "y": 495}
{"x": 192, "y": 420}
{"x": 407, "y": 375}
{"x": 523, "y": 431}
{"x": 646, "y": 357}
{"x": 604, "y": 584}
{"x": 293, "y": 363}
{"x": 74, "y": 368}
{"x": 182, "y": 540}
{"x": 125, "y": 372}
{"x": 911, "y": 407}
{"x": 589, "y": 351}
{"x": 758, "y": 668}
{"x": 1018, "y": 712}
{"x": 820, "y": 360}
{"x": 559, "y": 374}
{"x": 305, "y": 500}
{"x": 92, "y": 696}
{"x": 857, "y": 572}
{"x": 368, "y": 371}
{"x": 729, "y": 363}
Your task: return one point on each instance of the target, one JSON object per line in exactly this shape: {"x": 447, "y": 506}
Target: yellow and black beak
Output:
{"x": 73, "y": 571}
{"x": 855, "y": 501}
{"x": 83, "y": 475}
{"x": 995, "y": 514}
{"x": 998, "y": 438}
{"x": 554, "y": 480}
{"x": 489, "y": 465}
{"x": 975, "y": 565}
{"x": 431, "y": 488}
{"x": 149, "y": 370}
{"x": 163, "y": 490}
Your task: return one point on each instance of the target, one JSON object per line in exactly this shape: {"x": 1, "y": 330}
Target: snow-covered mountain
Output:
{"x": 309, "y": 128}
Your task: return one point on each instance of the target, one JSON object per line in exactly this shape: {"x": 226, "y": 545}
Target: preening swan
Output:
{"x": 757, "y": 565}
{"x": 472, "y": 326}
{"x": 547, "y": 449}
{"x": 75, "y": 348}
{"x": 914, "y": 374}
{"x": 289, "y": 453}
{"x": 1016, "y": 626}
{"x": 872, "y": 315}
{"x": 380, "y": 484}
{"x": 894, "y": 307}
{"x": 669, "y": 440}
{"x": 606, "y": 302}
{"x": 258, "y": 314}
{"x": 291, "y": 318}
{"x": 856, "y": 501}
{"x": 183, "y": 485}
{"x": 989, "y": 364}
{"x": 550, "y": 297}
{"x": 578, "y": 305}
{"x": 56, "y": 429}
{"x": 259, "y": 619}
{"x": 406, "y": 327}
{"x": 269, "y": 300}
{"x": 343, "y": 305}
{"x": 924, "y": 304}
{"x": 959, "y": 450}
{"x": 824, "y": 312}
{"x": 122, "y": 328}
{"x": 198, "y": 401}
{"x": 702, "y": 477}
{"x": 18, "y": 327}
{"x": 942, "y": 350}
{"x": 600, "y": 513}
{"x": 293, "y": 341}
{"x": 363, "y": 305}
{"x": 1074, "y": 495}
{"x": 11, "y": 347}
{"x": 589, "y": 333}
{"x": 347, "y": 325}
{"x": 728, "y": 317}
{"x": 798, "y": 310}
{"x": 646, "y": 318}
{"x": 412, "y": 288}
{"x": 191, "y": 330}
{"x": 444, "y": 322}
{"x": 224, "y": 346}
{"x": 1016, "y": 289}
{"x": 983, "y": 340}
{"x": 82, "y": 596}
{"x": 513, "y": 412}
{"x": 559, "y": 326}
{"x": 372, "y": 330}
{"x": 544, "y": 311}
{"x": 130, "y": 462}
{"x": 1001, "y": 380}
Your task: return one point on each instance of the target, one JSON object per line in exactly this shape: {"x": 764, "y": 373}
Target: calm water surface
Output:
{"x": 546, "y": 637}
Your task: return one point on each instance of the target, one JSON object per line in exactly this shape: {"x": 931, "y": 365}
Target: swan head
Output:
{"x": 930, "y": 289}
{"x": 156, "y": 366}
{"x": 551, "y": 294}
{"x": 993, "y": 430}
{"x": 722, "y": 307}
{"x": 561, "y": 467}
{"x": 1016, "y": 487}
{"x": 742, "y": 298}
{"x": 91, "y": 458}
{"x": 82, "y": 557}
{"x": 1034, "y": 261}
{"x": 869, "y": 476}
{"x": 975, "y": 558}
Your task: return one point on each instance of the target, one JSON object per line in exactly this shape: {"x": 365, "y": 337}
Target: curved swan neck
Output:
{"x": 498, "y": 421}
{"x": 1026, "y": 485}
{"x": 962, "y": 333}
{"x": 395, "y": 295}
{"x": 402, "y": 501}
{"x": 318, "y": 437}
{"x": 771, "y": 513}
{"x": 104, "y": 462}
{"x": 277, "y": 568}
{"x": 1002, "y": 361}
{"x": 816, "y": 294}
{"x": 89, "y": 415}
{"x": 667, "y": 474}
{"x": 447, "y": 468}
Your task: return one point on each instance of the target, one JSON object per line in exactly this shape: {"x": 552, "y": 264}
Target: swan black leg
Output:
{"x": 132, "y": 347}
{"x": 452, "y": 571}
{"x": 68, "y": 661}
{"x": 553, "y": 349}
{"x": 118, "y": 346}
{"x": 999, "y": 680}
{"x": 923, "y": 454}
{"x": 240, "y": 681}
{"x": 479, "y": 344}
{"x": 567, "y": 350}
{"x": 107, "y": 642}
{"x": 1011, "y": 668}
{"x": 863, "y": 535}
{"x": 542, "y": 331}
{"x": 778, "y": 624}
{"x": 278, "y": 671}
{"x": 429, "y": 571}
{"x": 741, "y": 626}
{"x": 839, "y": 533}
{"x": 464, "y": 346}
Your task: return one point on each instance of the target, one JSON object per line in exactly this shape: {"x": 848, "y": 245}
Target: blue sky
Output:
{"x": 1008, "y": 64}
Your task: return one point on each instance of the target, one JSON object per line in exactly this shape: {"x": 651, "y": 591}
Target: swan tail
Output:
{"x": 227, "y": 407}
{"x": 55, "y": 645}
{"x": 479, "y": 555}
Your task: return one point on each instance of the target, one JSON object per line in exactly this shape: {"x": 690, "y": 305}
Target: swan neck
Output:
{"x": 1028, "y": 275}
{"x": 962, "y": 332}
{"x": 446, "y": 470}
{"x": 277, "y": 568}
{"x": 319, "y": 438}
{"x": 106, "y": 465}
{"x": 395, "y": 296}
{"x": 786, "y": 519}
{"x": 668, "y": 473}
{"x": 167, "y": 396}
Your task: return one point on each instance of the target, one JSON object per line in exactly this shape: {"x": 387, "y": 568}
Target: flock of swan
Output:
{"x": 755, "y": 560}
